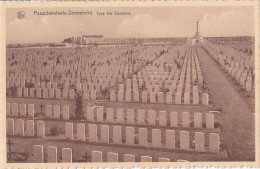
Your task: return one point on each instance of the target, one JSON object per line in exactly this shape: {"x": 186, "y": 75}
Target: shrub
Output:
{"x": 54, "y": 131}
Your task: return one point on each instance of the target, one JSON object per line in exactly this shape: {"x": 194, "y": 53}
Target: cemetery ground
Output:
{"x": 234, "y": 123}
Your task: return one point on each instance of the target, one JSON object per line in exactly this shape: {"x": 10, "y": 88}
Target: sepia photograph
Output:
{"x": 130, "y": 84}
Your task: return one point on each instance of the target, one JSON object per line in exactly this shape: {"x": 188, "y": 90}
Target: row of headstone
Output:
{"x": 66, "y": 83}
{"x": 242, "y": 78}
{"x": 53, "y": 93}
{"x": 55, "y": 112}
{"x": 80, "y": 84}
{"x": 150, "y": 117}
{"x": 235, "y": 69}
{"x": 22, "y": 110}
{"x": 158, "y": 85}
{"x": 19, "y": 128}
{"x": 38, "y": 154}
{"x": 96, "y": 156}
{"x": 22, "y": 83}
{"x": 172, "y": 87}
{"x": 160, "y": 97}
{"x": 142, "y": 137}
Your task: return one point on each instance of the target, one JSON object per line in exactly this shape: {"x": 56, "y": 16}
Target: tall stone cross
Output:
{"x": 197, "y": 26}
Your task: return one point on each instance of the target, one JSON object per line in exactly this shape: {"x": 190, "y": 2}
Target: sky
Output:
{"x": 142, "y": 22}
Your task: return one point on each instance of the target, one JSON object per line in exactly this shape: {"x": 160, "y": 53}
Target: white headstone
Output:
{"x": 65, "y": 113}
{"x": 40, "y": 129}
{"x": 143, "y": 137}
{"x": 169, "y": 97}
{"x": 23, "y": 111}
{"x": 112, "y": 95}
{"x": 30, "y": 128}
{"x": 129, "y": 158}
{"x": 100, "y": 114}
{"x": 196, "y": 98}
{"x": 170, "y": 139}
{"x": 152, "y": 97}
{"x": 128, "y": 96}
{"x": 156, "y": 138}
{"x": 56, "y": 112}
{"x": 117, "y": 135}
{"x": 51, "y": 93}
{"x": 136, "y": 96}
{"x": 32, "y": 92}
{"x": 31, "y": 110}
{"x": 199, "y": 141}
{"x": 186, "y": 98}
{"x": 120, "y": 115}
{"x": 38, "y": 156}
{"x": 120, "y": 96}
{"x": 173, "y": 119}
{"x": 96, "y": 156}
{"x": 112, "y": 157}
{"x": 48, "y": 111}
{"x": 160, "y": 97}
{"x": 90, "y": 113}
{"x": 38, "y": 92}
{"x": 69, "y": 131}
{"x": 205, "y": 99}
{"x": 19, "y": 127}
{"x": 14, "y": 109}
{"x": 178, "y": 98}
{"x": 104, "y": 134}
{"x": 130, "y": 116}
{"x": 129, "y": 135}
{"x": 197, "y": 120}
{"x": 184, "y": 140}
{"x": 65, "y": 94}
{"x": 185, "y": 119}
{"x": 151, "y": 117}
{"x": 209, "y": 120}
{"x": 163, "y": 160}
{"x": 144, "y": 96}
{"x": 66, "y": 154}
{"x": 19, "y": 92}
{"x": 10, "y": 126}
{"x": 146, "y": 159}
{"x": 214, "y": 142}
{"x": 51, "y": 154}
{"x": 81, "y": 133}
{"x": 140, "y": 116}
{"x": 45, "y": 93}
{"x": 162, "y": 118}
{"x": 92, "y": 133}
{"x": 110, "y": 115}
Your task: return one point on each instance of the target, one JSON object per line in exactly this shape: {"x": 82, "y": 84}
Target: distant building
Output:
{"x": 99, "y": 39}
{"x": 231, "y": 39}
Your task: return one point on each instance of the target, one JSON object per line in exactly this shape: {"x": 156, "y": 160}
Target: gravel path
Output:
{"x": 237, "y": 117}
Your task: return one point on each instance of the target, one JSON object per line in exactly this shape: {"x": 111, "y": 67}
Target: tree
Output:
{"x": 79, "y": 106}
{"x": 67, "y": 41}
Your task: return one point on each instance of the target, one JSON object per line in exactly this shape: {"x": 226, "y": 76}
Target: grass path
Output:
{"x": 237, "y": 117}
